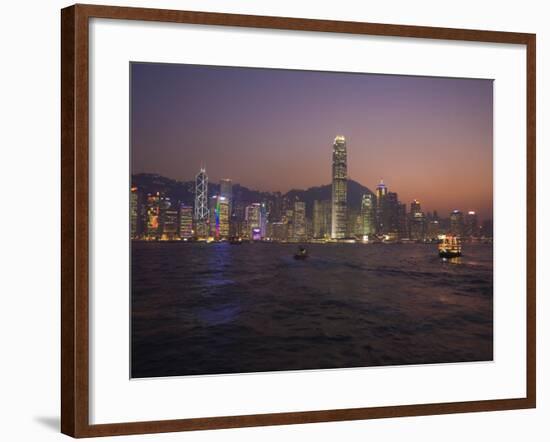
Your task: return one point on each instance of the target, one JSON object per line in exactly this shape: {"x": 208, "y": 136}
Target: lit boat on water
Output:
{"x": 449, "y": 246}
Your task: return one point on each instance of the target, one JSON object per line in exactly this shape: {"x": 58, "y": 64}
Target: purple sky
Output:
{"x": 428, "y": 138}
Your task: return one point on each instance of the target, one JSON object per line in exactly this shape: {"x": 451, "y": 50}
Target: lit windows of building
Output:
{"x": 252, "y": 218}
{"x": 186, "y": 222}
{"x": 299, "y": 221}
{"x": 339, "y": 188}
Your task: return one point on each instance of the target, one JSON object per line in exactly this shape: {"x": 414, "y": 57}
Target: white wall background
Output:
{"x": 29, "y": 224}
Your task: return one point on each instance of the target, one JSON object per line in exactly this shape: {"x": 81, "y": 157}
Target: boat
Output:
{"x": 235, "y": 241}
{"x": 301, "y": 254}
{"x": 449, "y": 246}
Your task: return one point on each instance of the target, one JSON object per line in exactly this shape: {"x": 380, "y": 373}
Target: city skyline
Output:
{"x": 455, "y": 114}
{"x": 219, "y": 216}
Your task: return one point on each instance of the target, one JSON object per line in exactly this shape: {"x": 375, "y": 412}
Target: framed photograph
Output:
{"x": 275, "y": 220}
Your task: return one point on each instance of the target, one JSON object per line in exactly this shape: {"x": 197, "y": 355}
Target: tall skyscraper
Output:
{"x": 381, "y": 194}
{"x": 299, "y": 221}
{"x": 417, "y": 222}
{"x": 339, "y": 188}
{"x": 263, "y": 220}
{"x": 368, "y": 214}
{"x": 226, "y": 190}
{"x": 201, "y": 204}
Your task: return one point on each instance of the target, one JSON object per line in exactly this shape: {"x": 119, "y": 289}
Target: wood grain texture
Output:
{"x": 75, "y": 219}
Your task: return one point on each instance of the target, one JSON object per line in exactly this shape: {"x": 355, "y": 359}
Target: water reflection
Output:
{"x": 218, "y": 308}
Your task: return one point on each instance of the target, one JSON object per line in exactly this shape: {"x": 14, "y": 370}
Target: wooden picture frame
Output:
{"x": 75, "y": 219}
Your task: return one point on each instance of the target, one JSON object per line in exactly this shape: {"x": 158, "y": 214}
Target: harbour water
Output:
{"x": 200, "y": 308}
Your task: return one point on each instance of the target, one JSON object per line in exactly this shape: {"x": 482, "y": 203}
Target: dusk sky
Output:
{"x": 267, "y": 129}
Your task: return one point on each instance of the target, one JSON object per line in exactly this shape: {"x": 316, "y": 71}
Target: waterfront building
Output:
{"x": 134, "y": 212}
{"x": 278, "y": 231}
{"x": 219, "y": 217}
{"x": 263, "y": 220}
{"x": 339, "y": 188}
{"x": 299, "y": 221}
{"x": 355, "y": 223}
{"x": 222, "y": 210}
{"x": 457, "y": 223}
{"x": 471, "y": 226}
{"x": 201, "y": 204}
{"x": 417, "y": 222}
{"x": 153, "y": 227}
{"x": 368, "y": 215}
{"x": 169, "y": 222}
{"x": 417, "y": 226}
{"x": 381, "y": 193}
{"x": 185, "y": 222}
{"x": 226, "y": 190}
{"x": 321, "y": 218}
{"x": 252, "y": 218}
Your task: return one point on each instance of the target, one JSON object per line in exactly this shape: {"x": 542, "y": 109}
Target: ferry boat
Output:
{"x": 301, "y": 254}
{"x": 449, "y": 246}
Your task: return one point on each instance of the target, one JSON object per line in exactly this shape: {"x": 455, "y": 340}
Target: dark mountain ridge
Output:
{"x": 184, "y": 191}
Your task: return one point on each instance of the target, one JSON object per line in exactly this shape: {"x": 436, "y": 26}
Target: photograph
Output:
{"x": 284, "y": 220}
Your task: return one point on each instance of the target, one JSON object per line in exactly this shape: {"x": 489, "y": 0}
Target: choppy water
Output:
{"x": 220, "y": 308}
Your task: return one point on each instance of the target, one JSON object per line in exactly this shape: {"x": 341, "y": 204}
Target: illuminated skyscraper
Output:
{"x": 169, "y": 219}
{"x": 263, "y": 220}
{"x": 219, "y": 217}
{"x": 381, "y": 215}
{"x": 186, "y": 222}
{"x": 299, "y": 221}
{"x": 152, "y": 230}
{"x": 253, "y": 219}
{"x": 368, "y": 215}
{"x": 417, "y": 222}
{"x": 339, "y": 188}
{"x": 201, "y": 204}
{"x": 226, "y": 190}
